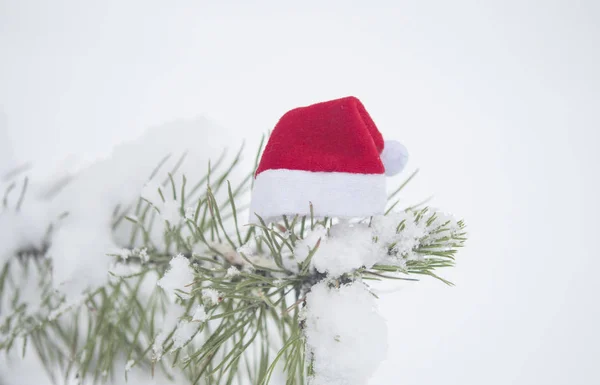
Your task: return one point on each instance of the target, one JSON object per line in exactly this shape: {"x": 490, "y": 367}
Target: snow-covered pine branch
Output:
{"x": 192, "y": 292}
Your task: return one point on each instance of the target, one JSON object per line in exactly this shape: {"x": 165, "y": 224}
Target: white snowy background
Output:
{"x": 497, "y": 101}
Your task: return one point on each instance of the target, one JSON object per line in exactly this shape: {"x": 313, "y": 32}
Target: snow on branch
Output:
{"x": 171, "y": 280}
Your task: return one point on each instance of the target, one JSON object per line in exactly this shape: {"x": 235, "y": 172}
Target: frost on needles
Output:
{"x": 168, "y": 280}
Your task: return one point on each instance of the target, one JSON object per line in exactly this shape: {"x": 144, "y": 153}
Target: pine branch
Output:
{"x": 244, "y": 283}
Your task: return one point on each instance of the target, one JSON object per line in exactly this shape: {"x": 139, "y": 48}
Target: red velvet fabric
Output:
{"x": 333, "y": 136}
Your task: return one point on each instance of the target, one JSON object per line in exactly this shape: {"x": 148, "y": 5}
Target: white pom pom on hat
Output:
{"x": 394, "y": 157}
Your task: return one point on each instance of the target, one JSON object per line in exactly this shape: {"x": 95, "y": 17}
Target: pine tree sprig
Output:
{"x": 239, "y": 318}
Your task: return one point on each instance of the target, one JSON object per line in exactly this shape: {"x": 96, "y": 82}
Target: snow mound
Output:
{"x": 345, "y": 335}
{"x": 179, "y": 275}
{"x": 348, "y": 247}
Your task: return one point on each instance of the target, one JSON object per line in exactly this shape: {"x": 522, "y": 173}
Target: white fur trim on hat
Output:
{"x": 339, "y": 194}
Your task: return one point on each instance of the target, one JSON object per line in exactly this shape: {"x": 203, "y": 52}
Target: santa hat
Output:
{"x": 329, "y": 154}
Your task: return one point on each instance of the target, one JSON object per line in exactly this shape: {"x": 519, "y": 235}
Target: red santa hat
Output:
{"x": 329, "y": 154}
